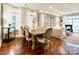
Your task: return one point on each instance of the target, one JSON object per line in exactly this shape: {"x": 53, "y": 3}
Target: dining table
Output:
{"x": 37, "y": 32}
{"x": 34, "y": 34}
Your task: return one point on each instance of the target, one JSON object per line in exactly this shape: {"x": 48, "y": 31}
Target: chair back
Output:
{"x": 26, "y": 32}
{"x": 44, "y": 28}
{"x": 48, "y": 33}
{"x": 22, "y": 30}
{"x": 27, "y": 27}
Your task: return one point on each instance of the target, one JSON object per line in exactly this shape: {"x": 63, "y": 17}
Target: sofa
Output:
{"x": 58, "y": 33}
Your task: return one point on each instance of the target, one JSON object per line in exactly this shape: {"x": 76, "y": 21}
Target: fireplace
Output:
{"x": 69, "y": 28}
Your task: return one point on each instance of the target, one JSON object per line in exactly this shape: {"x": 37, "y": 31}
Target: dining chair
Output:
{"x": 44, "y": 28}
{"x": 28, "y": 37}
{"x": 23, "y": 31}
{"x": 27, "y": 27}
{"x": 46, "y": 39}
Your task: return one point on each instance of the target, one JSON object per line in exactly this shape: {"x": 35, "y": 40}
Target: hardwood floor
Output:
{"x": 18, "y": 47}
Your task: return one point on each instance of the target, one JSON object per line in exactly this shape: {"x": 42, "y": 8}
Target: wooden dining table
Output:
{"x": 37, "y": 32}
{"x": 34, "y": 34}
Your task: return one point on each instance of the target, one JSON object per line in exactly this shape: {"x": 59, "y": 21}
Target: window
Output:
{"x": 16, "y": 19}
{"x": 74, "y": 21}
{"x": 13, "y": 21}
{"x": 11, "y": 15}
{"x": 32, "y": 19}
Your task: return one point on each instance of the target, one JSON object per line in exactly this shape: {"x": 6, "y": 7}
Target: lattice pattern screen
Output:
{"x": 48, "y": 20}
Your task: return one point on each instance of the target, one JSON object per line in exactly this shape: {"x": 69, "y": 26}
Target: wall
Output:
{"x": 41, "y": 19}
{"x": 6, "y": 15}
{"x": 56, "y": 21}
{"x": 24, "y": 16}
{"x": 8, "y": 12}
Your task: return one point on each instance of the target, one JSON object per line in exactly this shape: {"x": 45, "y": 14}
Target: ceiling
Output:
{"x": 56, "y": 8}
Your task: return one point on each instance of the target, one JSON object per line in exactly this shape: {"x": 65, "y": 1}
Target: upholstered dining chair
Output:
{"x": 22, "y": 31}
{"x": 27, "y": 27}
{"x": 44, "y": 28}
{"x": 46, "y": 39}
{"x": 28, "y": 37}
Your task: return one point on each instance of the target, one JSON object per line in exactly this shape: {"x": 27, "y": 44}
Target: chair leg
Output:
{"x": 47, "y": 49}
{"x": 28, "y": 44}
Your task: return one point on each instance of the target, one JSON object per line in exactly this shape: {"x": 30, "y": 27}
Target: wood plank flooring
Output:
{"x": 18, "y": 47}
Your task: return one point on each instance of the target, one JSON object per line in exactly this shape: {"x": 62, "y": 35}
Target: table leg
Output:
{"x": 33, "y": 44}
{"x": 34, "y": 41}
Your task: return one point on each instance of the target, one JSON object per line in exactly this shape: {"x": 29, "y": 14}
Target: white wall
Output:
{"x": 6, "y": 15}
{"x": 26, "y": 18}
{"x": 41, "y": 20}
{"x": 56, "y": 21}
{"x": 24, "y": 14}
{"x": 10, "y": 11}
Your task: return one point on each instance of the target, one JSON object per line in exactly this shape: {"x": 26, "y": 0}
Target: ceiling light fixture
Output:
{"x": 50, "y": 7}
{"x": 25, "y": 5}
